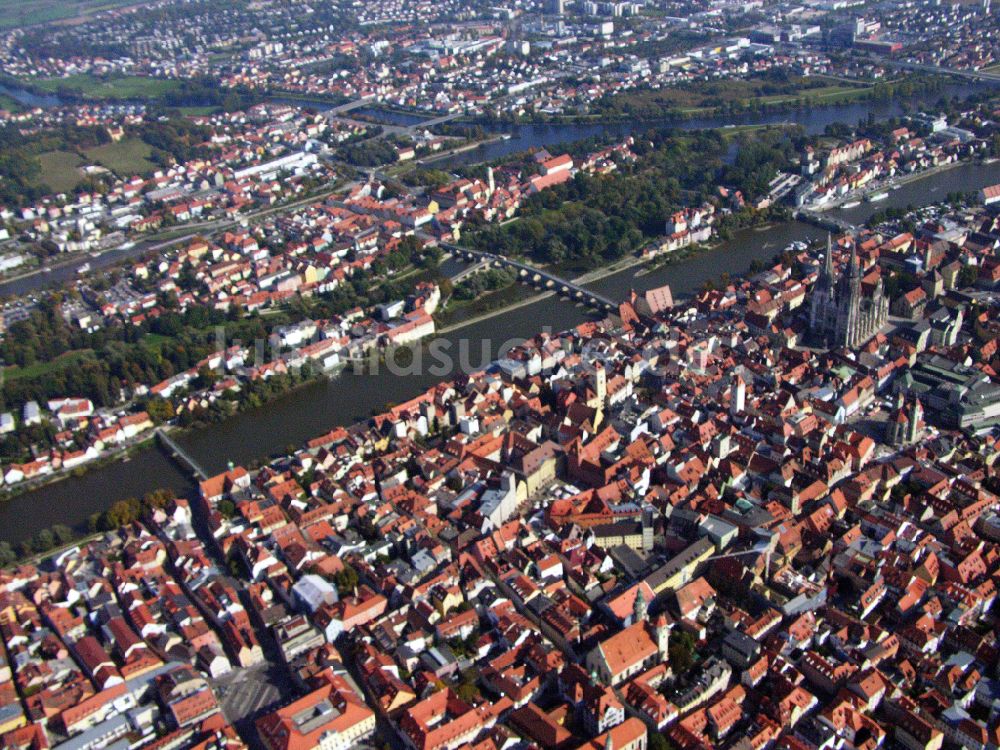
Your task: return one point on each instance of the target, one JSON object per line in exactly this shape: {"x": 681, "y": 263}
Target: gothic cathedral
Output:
{"x": 841, "y": 315}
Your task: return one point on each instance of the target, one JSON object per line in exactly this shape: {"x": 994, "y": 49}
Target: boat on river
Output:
{"x": 879, "y": 196}
{"x": 850, "y": 204}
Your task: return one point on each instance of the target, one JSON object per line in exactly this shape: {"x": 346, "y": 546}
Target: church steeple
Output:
{"x": 639, "y": 608}
{"x": 854, "y": 268}
{"x": 662, "y": 630}
{"x": 828, "y": 262}
{"x": 840, "y": 314}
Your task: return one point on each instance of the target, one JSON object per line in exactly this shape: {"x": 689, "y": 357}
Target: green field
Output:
{"x": 62, "y": 362}
{"x": 14, "y": 13}
{"x": 198, "y": 111}
{"x": 121, "y": 87}
{"x": 814, "y": 95}
{"x": 59, "y": 170}
{"x": 125, "y": 158}
{"x": 154, "y": 342}
{"x": 693, "y": 99}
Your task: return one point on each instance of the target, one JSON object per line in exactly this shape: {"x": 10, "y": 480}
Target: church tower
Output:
{"x": 828, "y": 260}
{"x": 841, "y": 312}
{"x": 822, "y": 295}
{"x": 848, "y": 302}
{"x": 639, "y": 607}
{"x": 737, "y": 396}
{"x": 916, "y": 416}
{"x": 662, "y": 636}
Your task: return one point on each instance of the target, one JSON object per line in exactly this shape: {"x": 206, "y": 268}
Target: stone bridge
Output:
{"x": 537, "y": 277}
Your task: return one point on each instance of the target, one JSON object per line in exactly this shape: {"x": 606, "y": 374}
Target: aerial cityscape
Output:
{"x": 536, "y": 375}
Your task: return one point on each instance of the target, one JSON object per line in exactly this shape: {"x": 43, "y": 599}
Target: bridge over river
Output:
{"x": 535, "y": 276}
{"x": 181, "y": 456}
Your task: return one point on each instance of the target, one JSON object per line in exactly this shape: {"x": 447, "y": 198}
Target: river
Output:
{"x": 342, "y": 400}
{"x": 317, "y": 407}
{"x": 521, "y": 138}
{"x": 30, "y": 98}
{"x": 814, "y": 120}
{"x": 33, "y": 281}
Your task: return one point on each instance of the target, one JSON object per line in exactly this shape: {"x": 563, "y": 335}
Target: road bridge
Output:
{"x": 436, "y": 121}
{"x": 469, "y": 270}
{"x": 982, "y": 76}
{"x": 824, "y": 221}
{"x": 348, "y": 106}
{"x": 537, "y": 277}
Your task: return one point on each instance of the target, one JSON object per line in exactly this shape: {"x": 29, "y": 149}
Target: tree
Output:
{"x": 658, "y": 741}
{"x": 160, "y": 410}
{"x": 7, "y": 554}
{"x": 681, "y": 652}
{"x": 346, "y": 580}
{"x": 63, "y": 533}
{"x": 468, "y": 691}
{"x": 968, "y": 275}
{"x": 157, "y": 499}
{"x": 207, "y": 377}
{"x": 44, "y": 540}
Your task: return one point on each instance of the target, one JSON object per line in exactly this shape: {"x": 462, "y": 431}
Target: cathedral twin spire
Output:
{"x": 840, "y": 315}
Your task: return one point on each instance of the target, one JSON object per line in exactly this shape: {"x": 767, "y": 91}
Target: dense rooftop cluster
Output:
{"x": 511, "y": 59}
{"x": 966, "y": 46}
{"x": 862, "y": 167}
{"x": 674, "y": 523}
{"x": 326, "y": 250}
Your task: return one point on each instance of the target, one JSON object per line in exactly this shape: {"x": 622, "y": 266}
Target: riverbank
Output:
{"x": 429, "y": 160}
{"x": 148, "y": 441}
{"x": 316, "y": 407}
{"x": 800, "y": 101}
{"x": 647, "y": 266}
{"x": 80, "y": 257}
{"x": 591, "y": 276}
{"x": 888, "y": 183}
{"x": 121, "y": 453}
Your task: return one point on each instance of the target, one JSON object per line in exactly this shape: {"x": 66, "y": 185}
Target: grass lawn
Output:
{"x": 15, "y": 13}
{"x": 121, "y": 87}
{"x": 69, "y": 359}
{"x": 59, "y": 170}
{"x": 198, "y": 111}
{"x": 744, "y": 129}
{"x": 10, "y": 103}
{"x": 827, "y": 92}
{"x": 125, "y": 158}
{"x": 154, "y": 341}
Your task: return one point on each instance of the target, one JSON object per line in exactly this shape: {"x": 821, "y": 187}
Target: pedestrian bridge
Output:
{"x": 537, "y": 277}
{"x": 180, "y": 455}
